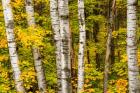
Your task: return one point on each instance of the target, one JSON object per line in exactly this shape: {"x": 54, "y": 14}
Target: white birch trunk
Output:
{"x": 133, "y": 71}
{"x": 56, "y": 31}
{"x": 9, "y": 23}
{"x": 36, "y": 54}
{"x": 82, "y": 41}
{"x": 65, "y": 46}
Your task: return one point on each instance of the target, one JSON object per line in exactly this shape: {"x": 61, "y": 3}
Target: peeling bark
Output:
{"x": 65, "y": 46}
{"x": 56, "y": 30}
{"x": 82, "y": 43}
{"x": 133, "y": 71}
{"x": 36, "y": 53}
{"x": 9, "y": 24}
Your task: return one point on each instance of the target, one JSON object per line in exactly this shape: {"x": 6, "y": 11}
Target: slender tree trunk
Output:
{"x": 73, "y": 70}
{"x": 113, "y": 12}
{"x": 82, "y": 43}
{"x": 73, "y": 64}
{"x": 9, "y": 24}
{"x": 95, "y": 33}
{"x": 65, "y": 46}
{"x": 36, "y": 54}
{"x": 117, "y": 25}
{"x": 87, "y": 45}
{"x": 56, "y": 29}
{"x": 133, "y": 71}
{"x": 108, "y": 46}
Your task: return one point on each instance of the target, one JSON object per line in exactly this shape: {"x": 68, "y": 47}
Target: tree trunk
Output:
{"x": 113, "y": 12}
{"x": 36, "y": 54}
{"x": 82, "y": 41}
{"x": 56, "y": 28}
{"x": 108, "y": 45}
{"x": 9, "y": 24}
{"x": 95, "y": 33}
{"x": 65, "y": 46}
{"x": 73, "y": 64}
{"x": 133, "y": 71}
{"x": 87, "y": 45}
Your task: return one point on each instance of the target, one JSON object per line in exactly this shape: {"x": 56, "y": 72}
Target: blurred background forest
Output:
{"x": 96, "y": 18}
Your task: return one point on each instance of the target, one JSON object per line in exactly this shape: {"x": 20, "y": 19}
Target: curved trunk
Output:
{"x": 133, "y": 71}
{"x": 82, "y": 41}
{"x": 108, "y": 44}
{"x": 9, "y": 24}
{"x": 36, "y": 54}
{"x": 56, "y": 31}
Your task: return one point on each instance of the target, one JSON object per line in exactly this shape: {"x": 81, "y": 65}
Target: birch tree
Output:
{"x": 65, "y": 46}
{"x": 82, "y": 41}
{"x": 56, "y": 31}
{"x": 108, "y": 44}
{"x": 36, "y": 53}
{"x": 9, "y": 24}
{"x": 133, "y": 71}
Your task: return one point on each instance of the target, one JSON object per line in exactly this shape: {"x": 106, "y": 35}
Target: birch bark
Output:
{"x": 36, "y": 53}
{"x": 82, "y": 42}
{"x": 133, "y": 71}
{"x": 65, "y": 46}
{"x": 56, "y": 30}
{"x": 9, "y": 24}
